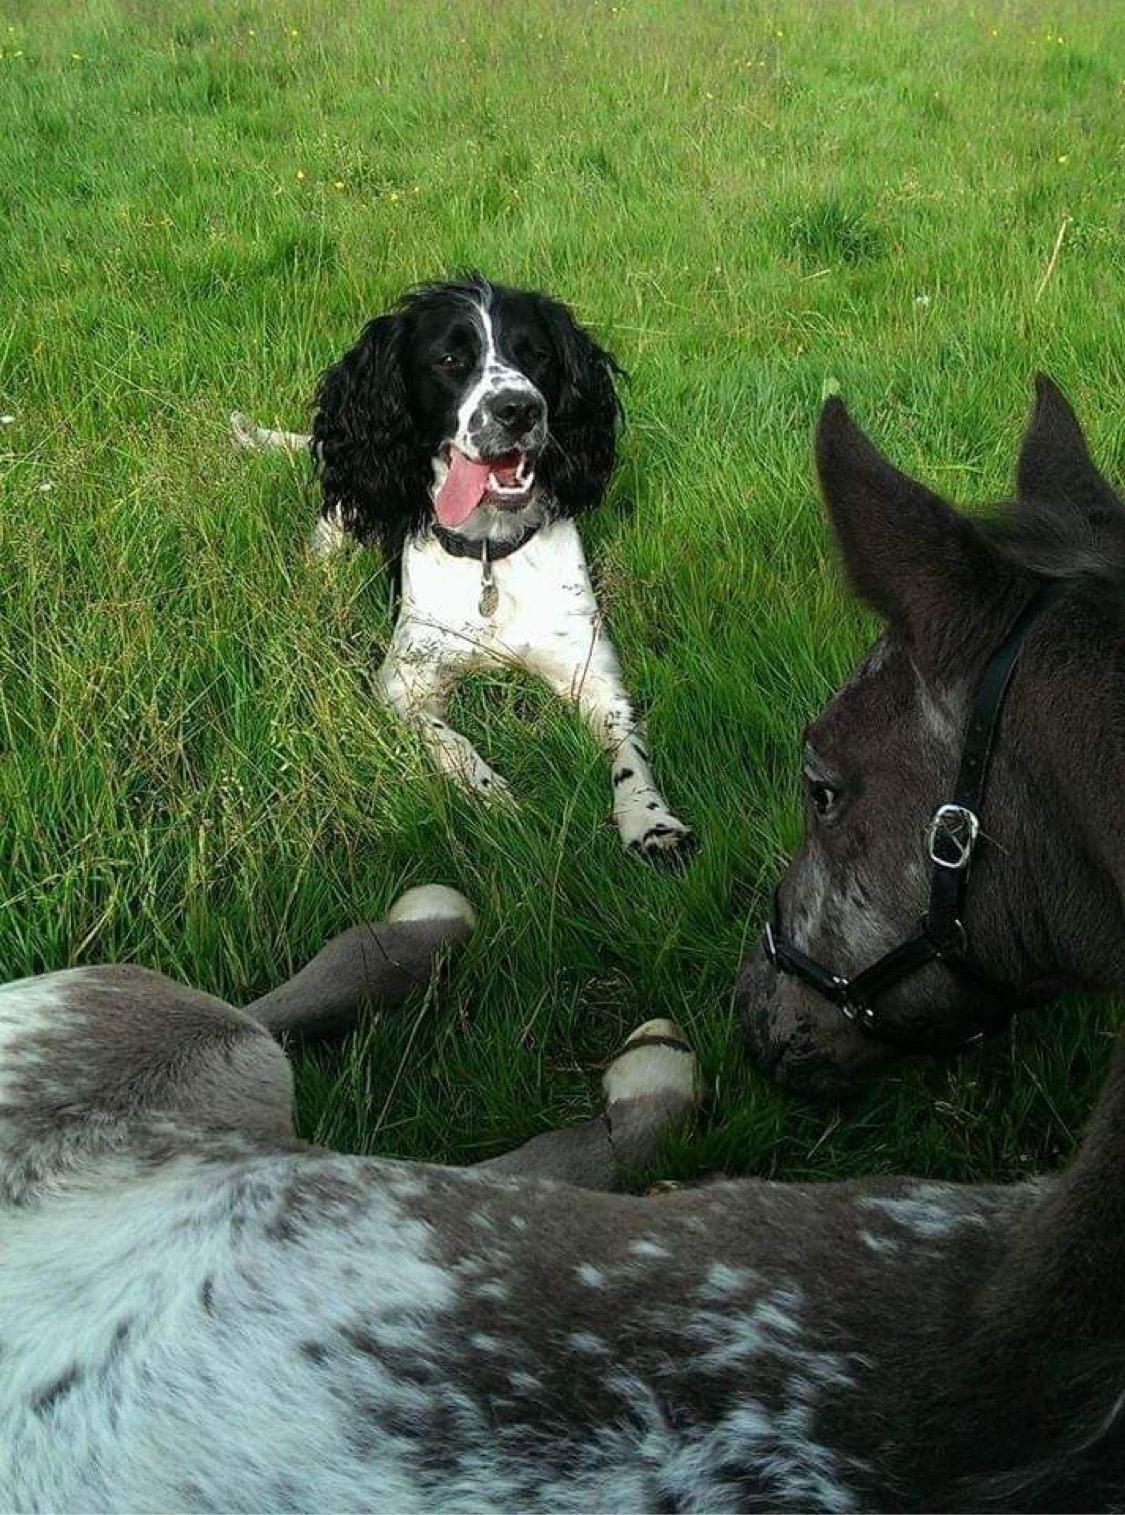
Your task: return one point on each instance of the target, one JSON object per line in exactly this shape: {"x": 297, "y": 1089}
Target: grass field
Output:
{"x": 750, "y": 204}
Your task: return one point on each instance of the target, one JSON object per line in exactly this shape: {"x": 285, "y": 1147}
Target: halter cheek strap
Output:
{"x": 951, "y": 842}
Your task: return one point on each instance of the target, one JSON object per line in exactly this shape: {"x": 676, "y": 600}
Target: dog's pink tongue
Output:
{"x": 464, "y": 486}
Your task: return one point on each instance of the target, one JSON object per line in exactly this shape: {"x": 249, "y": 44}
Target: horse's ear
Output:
{"x": 1055, "y": 464}
{"x": 924, "y": 568}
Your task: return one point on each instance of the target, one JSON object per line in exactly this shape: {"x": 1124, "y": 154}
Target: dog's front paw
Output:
{"x": 244, "y": 431}
{"x": 477, "y": 778}
{"x": 658, "y": 836}
{"x": 496, "y": 790}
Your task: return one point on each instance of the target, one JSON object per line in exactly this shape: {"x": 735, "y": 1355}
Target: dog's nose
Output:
{"x": 518, "y": 410}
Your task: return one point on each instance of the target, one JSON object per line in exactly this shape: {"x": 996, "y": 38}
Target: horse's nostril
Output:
{"x": 754, "y": 992}
{"x": 765, "y": 1049}
{"x": 781, "y": 1044}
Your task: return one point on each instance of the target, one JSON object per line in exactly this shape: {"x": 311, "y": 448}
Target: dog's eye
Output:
{"x": 530, "y": 357}
{"x": 449, "y": 362}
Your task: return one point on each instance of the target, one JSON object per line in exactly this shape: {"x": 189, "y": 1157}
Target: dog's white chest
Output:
{"x": 545, "y": 621}
{"x": 542, "y": 592}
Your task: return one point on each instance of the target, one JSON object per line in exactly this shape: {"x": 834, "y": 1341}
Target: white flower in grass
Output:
{"x": 46, "y": 486}
{"x": 922, "y": 300}
{"x": 6, "y": 420}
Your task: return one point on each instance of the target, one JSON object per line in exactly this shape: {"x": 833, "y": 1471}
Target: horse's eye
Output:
{"x": 824, "y": 796}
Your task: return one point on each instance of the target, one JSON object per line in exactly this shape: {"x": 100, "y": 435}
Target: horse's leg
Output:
{"x": 85, "y": 1051}
{"x": 377, "y": 963}
{"x": 651, "y": 1087}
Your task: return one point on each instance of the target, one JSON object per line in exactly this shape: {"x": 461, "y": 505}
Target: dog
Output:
{"x": 463, "y": 434}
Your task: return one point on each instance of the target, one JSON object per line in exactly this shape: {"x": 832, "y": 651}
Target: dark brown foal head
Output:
{"x": 1044, "y": 906}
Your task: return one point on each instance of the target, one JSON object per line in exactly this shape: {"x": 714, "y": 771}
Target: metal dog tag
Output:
{"x": 489, "y": 594}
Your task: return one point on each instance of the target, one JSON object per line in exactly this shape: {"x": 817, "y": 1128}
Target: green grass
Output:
{"x": 751, "y": 204}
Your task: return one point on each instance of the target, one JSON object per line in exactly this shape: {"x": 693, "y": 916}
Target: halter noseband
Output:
{"x": 951, "y": 840}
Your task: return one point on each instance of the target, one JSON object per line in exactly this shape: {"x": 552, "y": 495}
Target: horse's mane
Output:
{"x": 1063, "y": 541}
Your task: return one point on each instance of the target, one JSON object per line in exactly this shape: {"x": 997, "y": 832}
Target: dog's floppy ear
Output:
{"x": 582, "y": 445}
{"x": 362, "y": 438}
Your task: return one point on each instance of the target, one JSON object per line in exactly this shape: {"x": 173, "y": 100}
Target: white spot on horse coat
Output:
{"x": 928, "y": 1211}
{"x": 646, "y": 1248}
{"x": 587, "y": 1341}
{"x": 875, "y": 1243}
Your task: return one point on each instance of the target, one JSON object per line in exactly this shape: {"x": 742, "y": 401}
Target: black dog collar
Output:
{"x": 461, "y": 547}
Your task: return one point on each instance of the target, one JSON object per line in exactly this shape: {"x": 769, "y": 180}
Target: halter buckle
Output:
{"x": 858, "y": 1013}
{"x": 769, "y": 946}
{"x": 956, "y": 828}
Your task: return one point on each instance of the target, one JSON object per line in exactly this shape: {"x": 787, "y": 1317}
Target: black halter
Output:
{"x": 950, "y": 843}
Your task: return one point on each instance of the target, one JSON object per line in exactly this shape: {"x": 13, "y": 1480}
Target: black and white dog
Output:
{"x": 463, "y": 433}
